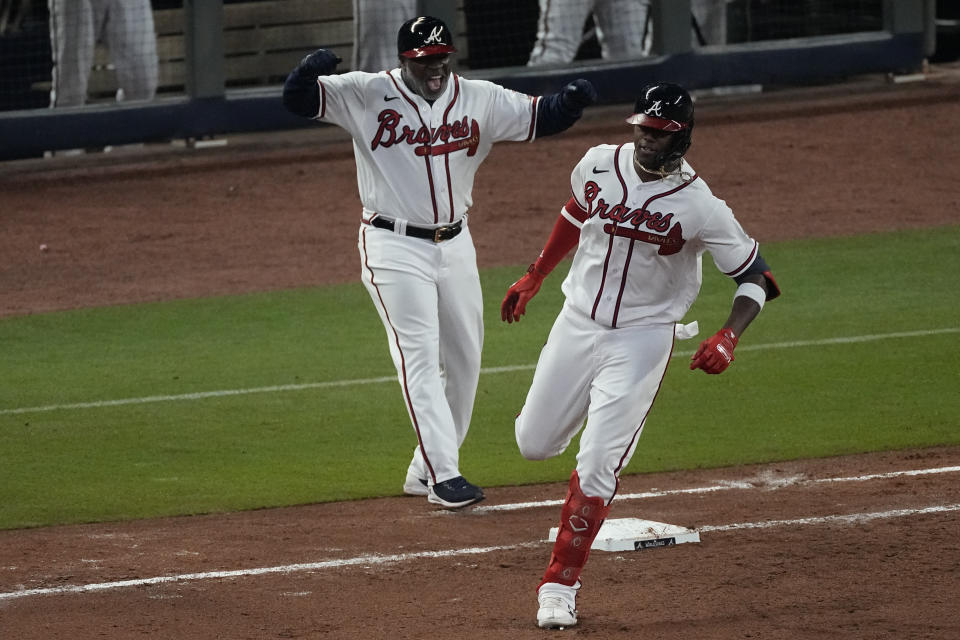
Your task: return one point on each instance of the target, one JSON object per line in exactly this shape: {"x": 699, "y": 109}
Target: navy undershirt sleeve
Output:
{"x": 553, "y": 116}
{"x": 301, "y": 95}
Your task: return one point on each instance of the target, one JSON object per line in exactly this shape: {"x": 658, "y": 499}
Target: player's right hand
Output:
{"x": 715, "y": 353}
{"x": 519, "y": 294}
{"x": 321, "y": 62}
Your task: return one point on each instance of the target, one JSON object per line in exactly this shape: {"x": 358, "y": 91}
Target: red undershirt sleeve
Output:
{"x": 565, "y": 236}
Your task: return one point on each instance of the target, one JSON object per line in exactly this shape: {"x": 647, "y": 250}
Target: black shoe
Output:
{"x": 455, "y": 493}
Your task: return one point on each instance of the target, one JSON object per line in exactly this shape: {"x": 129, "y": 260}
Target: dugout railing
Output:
{"x": 222, "y": 67}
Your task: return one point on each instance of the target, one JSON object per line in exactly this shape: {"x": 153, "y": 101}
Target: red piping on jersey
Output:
{"x": 636, "y": 434}
{"x": 426, "y": 158}
{"x": 623, "y": 279}
{"x": 747, "y": 263}
{"x": 667, "y": 193}
{"x": 606, "y": 261}
{"x": 533, "y": 120}
{"x": 446, "y": 160}
{"x": 623, "y": 283}
{"x": 585, "y": 211}
{"x": 626, "y": 265}
{"x": 577, "y": 212}
{"x": 323, "y": 99}
{"x": 403, "y": 364}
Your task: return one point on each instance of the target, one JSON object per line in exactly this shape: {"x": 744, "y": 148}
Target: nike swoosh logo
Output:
{"x": 388, "y": 98}
{"x": 595, "y": 170}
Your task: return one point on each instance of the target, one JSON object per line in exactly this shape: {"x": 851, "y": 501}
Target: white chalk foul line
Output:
{"x": 379, "y": 559}
{"x": 373, "y": 559}
{"x": 853, "y": 518}
{"x": 740, "y": 484}
{"x": 203, "y": 395}
{"x": 366, "y": 560}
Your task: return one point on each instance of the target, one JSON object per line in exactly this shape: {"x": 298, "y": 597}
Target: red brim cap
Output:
{"x": 653, "y": 122}
{"x": 430, "y": 50}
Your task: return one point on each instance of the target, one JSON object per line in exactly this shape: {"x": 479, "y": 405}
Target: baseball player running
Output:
{"x": 641, "y": 219}
{"x": 420, "y": 133}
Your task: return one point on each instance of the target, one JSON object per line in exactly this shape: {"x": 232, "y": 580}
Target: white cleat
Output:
{"x": 554, "y": 613}
{"x": 415, "y": 486}
{"x": 558, "y": 606}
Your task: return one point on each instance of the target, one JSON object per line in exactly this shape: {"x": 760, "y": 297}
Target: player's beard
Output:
{"x": 435, "y": 85}
{"x": 432, "y": 85}
{"x": 427, "y": 83}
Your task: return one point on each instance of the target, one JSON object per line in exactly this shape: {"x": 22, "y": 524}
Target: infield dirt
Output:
{"x": 282, "y": 211}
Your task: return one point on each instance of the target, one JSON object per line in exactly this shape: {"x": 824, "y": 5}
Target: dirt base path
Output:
{"x": 854, "y": 547}
{"x": 860, "y": 547}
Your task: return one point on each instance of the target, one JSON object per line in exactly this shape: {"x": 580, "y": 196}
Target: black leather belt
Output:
{"x": 438, "y": 234}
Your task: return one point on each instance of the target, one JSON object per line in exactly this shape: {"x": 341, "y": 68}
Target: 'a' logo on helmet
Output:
{"x": 436, "y": 36}
{"x": 654, "y": 109}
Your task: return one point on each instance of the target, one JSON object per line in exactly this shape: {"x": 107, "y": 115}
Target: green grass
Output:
{"x": 314, "y": 444}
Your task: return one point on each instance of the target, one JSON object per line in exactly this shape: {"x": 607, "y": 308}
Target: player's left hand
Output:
{"x": 715, "y": 353}
{"x": 321, "y": 62}
{"x": 578, "y": 94}
{"x": 519, "y": 294}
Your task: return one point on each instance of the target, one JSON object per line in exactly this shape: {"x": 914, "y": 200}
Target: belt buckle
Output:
{"x": 438, "y": 234}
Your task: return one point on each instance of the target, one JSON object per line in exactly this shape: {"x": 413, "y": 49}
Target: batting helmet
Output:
{"x": 667, "y": 107}
{"x": 424, "y": 36}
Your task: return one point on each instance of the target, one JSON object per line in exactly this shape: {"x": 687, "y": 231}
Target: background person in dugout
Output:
{"x": 623, "y": 27}
{"x": 641, "y": 220}
{"x": 420, "y": 133}
{"x": 124, "y": 26}
{"x": 374, "y": 29}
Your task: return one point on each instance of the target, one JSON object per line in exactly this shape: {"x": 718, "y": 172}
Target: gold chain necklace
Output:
{"x": 660, "y": 172}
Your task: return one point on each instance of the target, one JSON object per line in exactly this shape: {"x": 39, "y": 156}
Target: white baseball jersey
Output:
{"x": 639, "y": 256}
{"x": 417, "y": 162}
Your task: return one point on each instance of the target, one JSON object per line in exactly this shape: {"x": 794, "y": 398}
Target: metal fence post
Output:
{"x": 203, "y": 43}
{"x": 903, "y": 16}
{"x": 443, "y": 9}
{"x": 929, "y": 27}
{"x": 671, "y": 26}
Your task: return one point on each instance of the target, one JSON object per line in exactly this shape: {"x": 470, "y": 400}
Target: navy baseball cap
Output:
{"x": 663, "y": 106}
{"x": 424, "y": 36}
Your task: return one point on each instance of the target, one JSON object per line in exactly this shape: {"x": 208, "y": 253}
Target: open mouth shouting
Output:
{"x": 427, "y": 75}
{"x": 435, "y": 83}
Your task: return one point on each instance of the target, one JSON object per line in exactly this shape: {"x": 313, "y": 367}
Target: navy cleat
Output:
{"x": 455, "y": 493}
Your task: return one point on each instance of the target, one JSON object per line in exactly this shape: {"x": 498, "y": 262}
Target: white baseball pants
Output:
{"x": 375, "y": 26}
{"x": 429, "y": 300}
{"x": 125, "y": 26}
{"x": 608, "y": 377}
{"x": 620, "y": 24}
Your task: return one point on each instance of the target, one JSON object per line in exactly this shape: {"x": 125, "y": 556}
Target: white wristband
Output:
{"x": 753, "y": 291}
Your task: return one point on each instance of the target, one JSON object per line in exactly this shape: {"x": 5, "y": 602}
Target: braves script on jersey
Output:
{"x": 641, "y": 243}
{"x": 417, "y": 162}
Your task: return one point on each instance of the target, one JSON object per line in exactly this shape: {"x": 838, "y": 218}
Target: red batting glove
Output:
{"x": 519, "y": 294}
{"x": 716, "y": 353}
